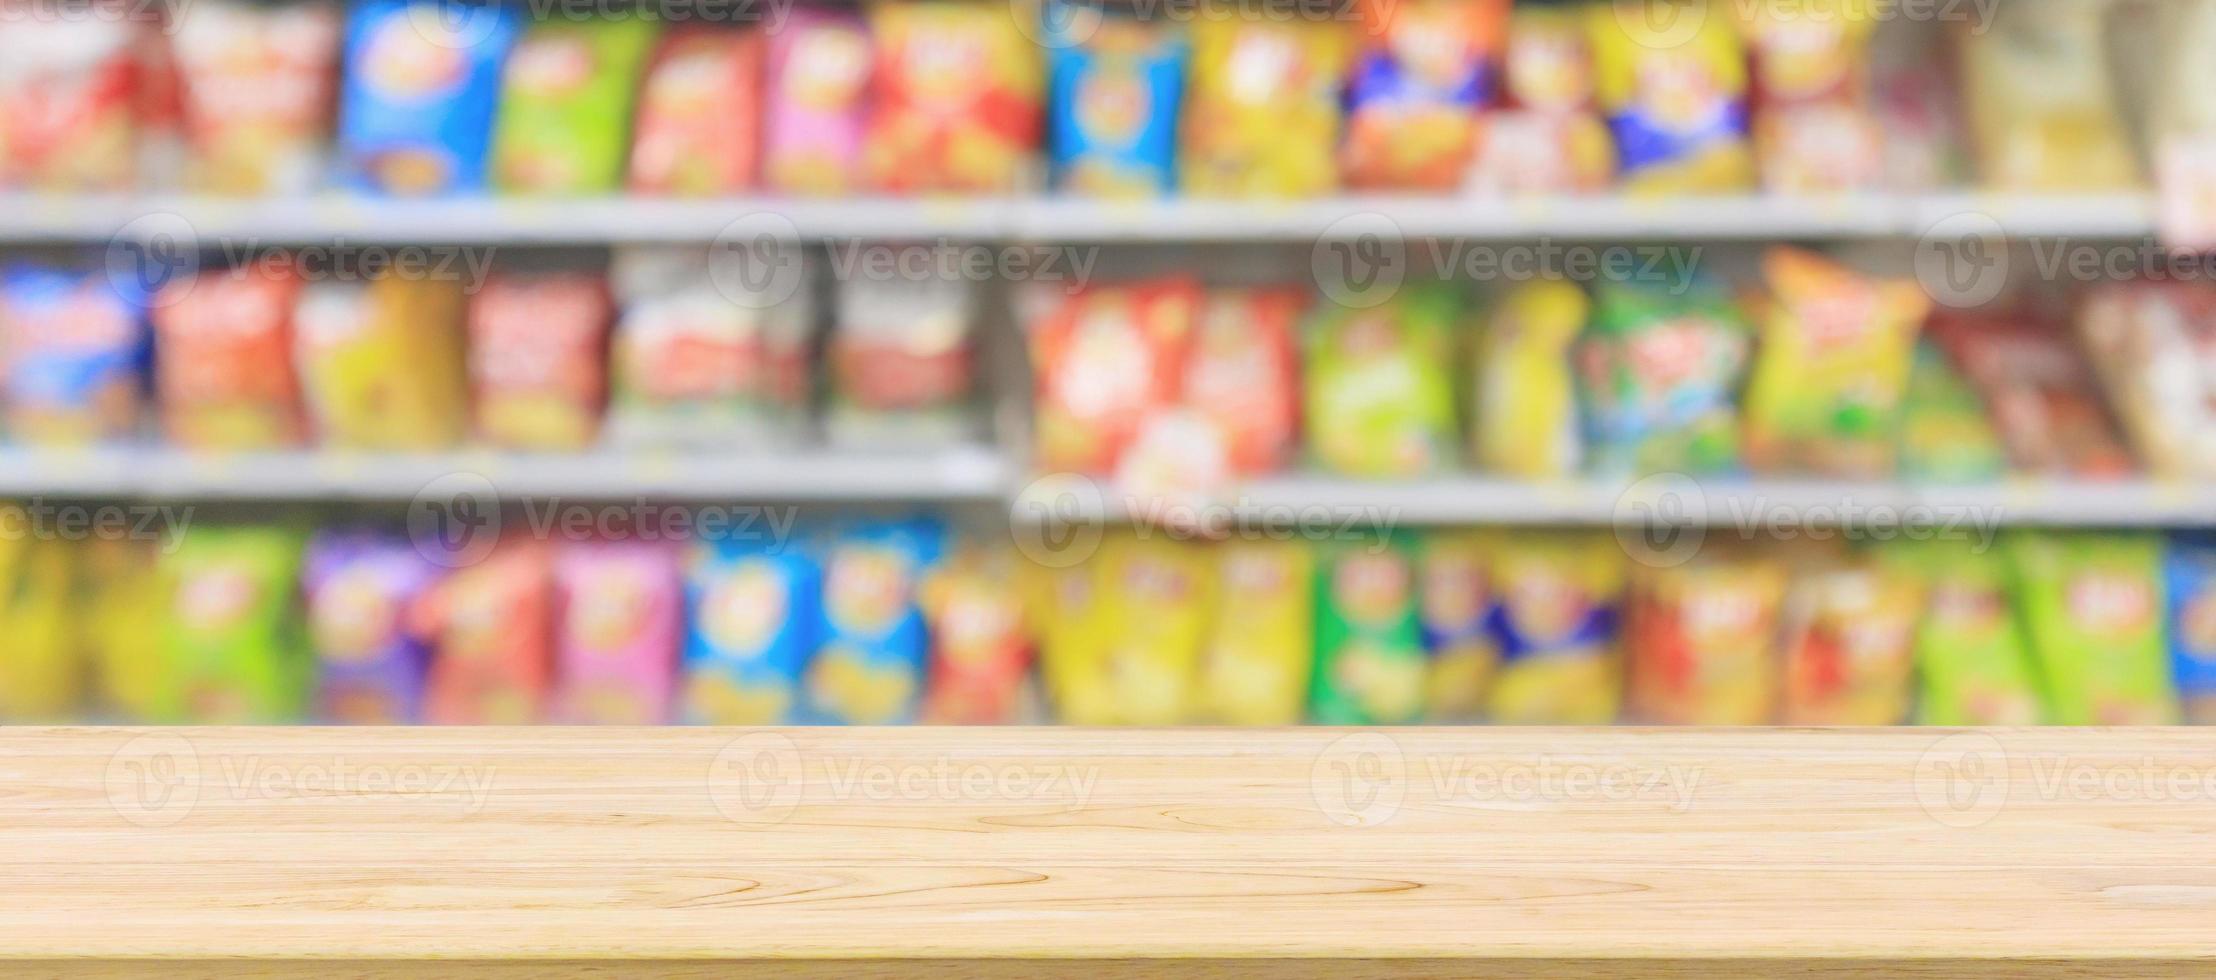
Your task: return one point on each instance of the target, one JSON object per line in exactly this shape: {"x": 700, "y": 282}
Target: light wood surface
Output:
{"x": 973, "y": 852}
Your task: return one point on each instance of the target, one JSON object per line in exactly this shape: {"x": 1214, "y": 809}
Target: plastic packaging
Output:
{"x": 417, "y": 102}
{"x": 75, "y": 355}
{"x": 2190, "y": 580}
{"x": 566, "y": 96}
{"x": 1379, "y": 398}
{"x": 815, "y": 99}
{"x": 959, "y": 91}
{"x": 870, "y": 668}
{"x": 1113, "y": 102}
{"x": 1658, "y": 372}
{"x": 697, "y": 360}
{"x": 752, "y": 624}
{"x": 1456, "y": 593}
{"x": 700, "y": 114}
{"x": 381, "y": 363}
{"x": 2042, "y": 106}
{"x": 1557, "y": 606}
{"x": 2093, "y": 611}
{"x": 537, "y": 349}
{"x": 1547, "y": 138}
{"x": 1825, "y": 392}
{"x": 1106, "y": 358}
{"x": 1850, "y": 642}
{"x": 69, "y": 85}
{"x": 2153, "y": 346}
{"x": 1261, "y": 114}
{"x": 1254, "y": 668}
{"x": 1525, "y": 420}
{"x": 225, "y": 357}
{"x": 234, "y": 635}
{"x": 1371, "y": 668}
{"x": 494, "y": 623}
{"x": 1676, "y": 107}
{"x": 900, "y": 361}
{"x": 621, "y": 605}
{"x": 980, "y": 665}
{"x": 364, "y": 592}
{"x": 1973, "y": 666}
{"x": 1414, "y": 93}
{"x": 1700, "y": 642}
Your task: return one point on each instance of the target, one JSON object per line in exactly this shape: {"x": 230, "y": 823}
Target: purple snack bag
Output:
{"x": 363, "y": 589}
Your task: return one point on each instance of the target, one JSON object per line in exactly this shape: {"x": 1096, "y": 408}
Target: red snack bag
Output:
{"x": 960, "y": 93}
{"x": 494, "y": 623}
{"x": 68, "y": 89}
{"x": 1700, "y": 642}
{"x": 2039, "y": 392}
{"x": 223, "y": 357}
{"x": 1104, "y": 360}
{"x": 900, "y": 361}
{"x": 537, "y": 346}
{"x": 699, "y": 114}
{"x": 1243, "y": 373}
{"x": 258, "y": 84}
{"x": 1850, "y": 638}
{"x": 980, "y": 651}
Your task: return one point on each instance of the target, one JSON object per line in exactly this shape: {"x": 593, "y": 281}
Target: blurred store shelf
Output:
{"x": 36, "y": 218}
{"x": 960, "y": 474}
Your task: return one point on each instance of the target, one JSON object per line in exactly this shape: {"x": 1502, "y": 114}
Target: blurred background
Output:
{"x": 1137, "y": 362}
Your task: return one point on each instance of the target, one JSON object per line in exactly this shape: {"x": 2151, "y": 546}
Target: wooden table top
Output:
{"x": 711, "y": 852}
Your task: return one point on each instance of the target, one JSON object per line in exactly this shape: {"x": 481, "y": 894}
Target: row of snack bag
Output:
{"x": 672, "y": 347}
{"x": 893, "y": 620}
{"x": 968, "y": 96}
{"x": 1166, "y": 386}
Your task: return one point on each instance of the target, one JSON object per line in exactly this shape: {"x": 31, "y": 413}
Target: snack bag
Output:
{"x": 1825, "y": 392}
{"x": 2153, "y": 345}
{"x": 2038, "y": 392}
{"x": 2190, "y": 577}
{"x": 1254, "y": 667}
{"x": 1547, "y": 138}
{"x": 536, "y": 348}
{"x": 1105, "y": 359}
{"x": 1658, "y": 373}
{"x": 700, "y": 116}
{"x": 364, "y": 595}
{"x": 2093, "y": 610}
{"x": 1456, "y": 595}
{"x": 123, "y": 618}
{"x": 900, "y": 363}
{"x": 1850, "y": 639}
{"x": 494, "y": 623}
{"x": 1069, "y": 602}
{"x": 1814, "y": 131}
{"x": 870, "y": 669}
{"x": 416, "y": 105}
{"x": 1945, "y": 436}
{"x": 1413, "y": 96}
{"x": 1242, "y": 374}
{"x": 257, "y": 93}
{"x": 224, "y": 364}
{"x": 42, "y": 672}
{"x": 1676, "y": 106}
{"x": 980, "y": 652}
{"x": 1699, "y": 642}
{"x": 565, "y": 105}
{"x": 1525, "y": 421}
{"x": 2042, "y": 105}
{"x": 69, "y": 75}
{"x": 1554, "y": 619}
{"x": 958, "y": 96}
{"x": 234, "y": 636}
{"x": 1972, "y": 664}
{"x": 1380, "y": 400}
{"x": 621, "y": 605}
{"x": 1156, "y": 593}
{"x": 700, "y": 361}
{"x": 1370, "y": 662}
{"x": 817, "y": 92}
{"x": 1112, "y": 101}
{"x": 752, "y": 619}
{"x": 73, "y": 348}
{"x": 1261, "y": 117}
{"x": 381, "y": 363}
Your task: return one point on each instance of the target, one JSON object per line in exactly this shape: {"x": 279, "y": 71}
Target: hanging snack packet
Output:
{"x": 2093, "y": 609}
{"x": 1413, "y": 96}
{"x": 1370, "y": 662}
{"x": 622, "y": 607}
{"x": 1262, "y": 116}
{"x": 816, "y": 95}
{"x": 1825, "y": 392}
{"x": 2039, "y": 393}
{"x": 2042, "y": 104}
{"x": 900, "y": 362}
{"x": 69, "y": 75}
{"x": 1850, "y": 640}
{"x": 1456, "y": 596}
{"x": 381, "y": 363}
{"x": 416, "y": 106}
{"x": 1814, "y": 131}
{"x": 700, "y": 115}
{"x": 364, "y": 593}
{"x": 258, "y": 93}
{"x": 1525, "y": 418}
{"x": 1547, "y": 138}
{"x": 1556, "y": 610}
{"x": 42, "y": 668}
{"x": 2190, "y": 579}
{"x": 1113, "y": 100}
{"x": 1156, "y": 595}
{"x": 224, "y": 357}
{"x": 1106, "y": 358}
{"x": 958, "y": 100}
{"x": 73, "y": 350}
{"x": 980, "y": 651}
{"x": 1380, "y": 400}
{"x": 870, "y": 669}
{"x": 536, "y": 347}
{"x": 1972, "y": 664}
{"x": 494, "y": 623}
{"x": 565, "y": 105}
{"x": 2153, "y": 345}
{"x": 698, "y": 359}
{"x": 1945, "y": 436}
{"x": 752, "y": 622}
{"x": 1676, "y": 106}
{"x": 1659, "y": 371}
{"x": 1699, "y": 642}
{"x": 1254, "y": 667}
{"x": 234, "y": 636}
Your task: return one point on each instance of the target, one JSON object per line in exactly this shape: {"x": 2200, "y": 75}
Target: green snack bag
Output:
{"x": 1971, "y": 663}
{"x": 1657, "y": 372}
{"x": 234, "y": 635}
{"x": 1380, "y": 388}
{"x": 2092, "y": 607}
{"x": 566, "y": 97}
{"x": 1945, "y": 434}
{"x": 1370, "y": 663}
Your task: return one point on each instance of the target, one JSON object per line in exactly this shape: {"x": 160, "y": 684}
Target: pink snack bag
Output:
{"x": 622, "y": 621}
{"x": 817, "y": 86}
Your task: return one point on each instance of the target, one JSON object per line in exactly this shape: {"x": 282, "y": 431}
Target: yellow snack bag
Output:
{"x": 2042, "y": 102}
{"x": 1701, "y": 639}
{"x": 1156, "y": 596}
{"x": 124, "y": 605}
{"x": 1261, "y": 118}
{"x": 1676, "y": 101}
{"x": 1254, "y": 669}
{"x": 41, "y": 674}
{"x": 381, "y": 363}
{"x": 1557, "y": 607}
{"x": 1525, "y": 421}
{"x": 1825, "y": 392}
{"x": 1454, "y": 593}
{"x": 1068, "y": 605}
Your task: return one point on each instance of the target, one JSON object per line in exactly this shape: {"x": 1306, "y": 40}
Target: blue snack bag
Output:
{"x": 2191, "y": 573}
{"x": 751, "y": 625}
{"x": 1112, "y": 101}
{"x": 76, "y": 348}
{"x": 869, "y": 670}
{"x": 416, "y": 105}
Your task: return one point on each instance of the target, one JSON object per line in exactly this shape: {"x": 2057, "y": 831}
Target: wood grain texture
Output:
{"x": 940, "y": 851}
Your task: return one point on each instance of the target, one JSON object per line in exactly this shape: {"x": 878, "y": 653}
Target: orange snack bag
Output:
{"x": 1242, "y": 373}
{"x": 1700, "y": 638}
{"x": 1105, "y": 359}
{"x": 538, "y": 346}
{"x": 699, "y": 114}
{"x": 1850, "y": 640}
{"x": 223, "y": 357}
{"x": 494, "y": 623}
{"x": 960, "y": 96}
{"x": 1413, "y": 96}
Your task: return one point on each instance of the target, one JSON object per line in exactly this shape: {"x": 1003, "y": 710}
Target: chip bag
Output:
{"x": 224, "y": 364}
{"x": 1676, "y": 107}
{"x": 901, "y": 363}
{"x": 123, "y": 616}
{"x": 621, "y": 606}
{"x": 2190, "y": 580}
{"x": 1155, "y": 594}
{"x": 364, "y": 594}
{"x": 958, "y": 93}
{"x": 1261, "y": 115}
{"x": 816, "y": 96}
{"x": 1112, "y": 101}
{"x": 566, "y": 96}
{"x": 42, "y": 668}
{"x": 980, "y": 651}
{"x": 416, "y": 105}
{"x": 1254, "y": 666}
{"x": 870, "y": 668}
{"x": 1658, "y": 372}
{"x": 1850, "y": 636}
{"x": 536, "y": 348}
{"x": 1105, "y": 358}
{"x": 1556, "y": 608}
{"x": 1699, "y": 642}
{"x": 2093, "y": 610}
{"x": 258, "y": 96}
{"x": 234, "y": 636}
{"x": 1413, "y": 95}
{"x": 1456, "y": 595}
{"x": 1380, "y": 399}
{"x": 1972, "y": 664}
{"x": 700, "y": 115}
{"x": 494, "y": 627}
{"x": 381, "y": 363}
{"x": 700, "y": 360}
{"x": 1814, "y": 130}
{"x": 1370, "y": 663}
{"x": 1068, "y": 600}
{"x": 1825, "y": 392}
{"x": 2041, "y": 397}
{"x": 1944, "y": 435}
{"x": 1547, "y": 137}
{"x": 1525, "y": 423}
{"x": 2153, "y": 346}
{"x": 752, "y": 623}
{"x": 2043, "y": 110}
{"x": 69, "y": 83}
{"x": 75, "y": 350}
{"x": 1242, "y": 374}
